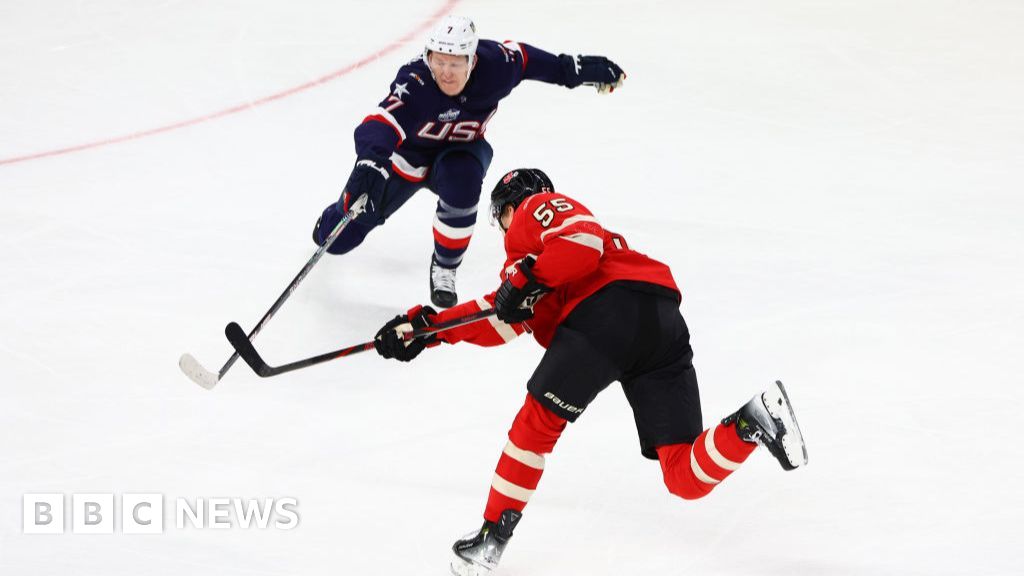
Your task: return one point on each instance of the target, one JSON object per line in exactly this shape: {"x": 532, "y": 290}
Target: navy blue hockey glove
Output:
{"x": 368, "y": 177}
{"x": 516, "y": 296}
{"x": 389, "y": 342}
{"x": 592, "y": 71}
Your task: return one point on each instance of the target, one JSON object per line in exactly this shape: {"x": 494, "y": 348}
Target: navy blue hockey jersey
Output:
{"x": 417, "y": 120}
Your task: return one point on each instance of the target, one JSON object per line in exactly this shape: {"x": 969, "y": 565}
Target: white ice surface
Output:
{"x": 837, "y": 186}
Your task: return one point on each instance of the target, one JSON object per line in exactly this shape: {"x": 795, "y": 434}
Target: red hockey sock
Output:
{"x": 692, "y": 470}
{"x": 534, "y": 433}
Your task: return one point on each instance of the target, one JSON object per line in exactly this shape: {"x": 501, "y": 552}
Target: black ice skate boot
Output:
{"x": 479, "y": 553}
{"x": 442, "y": 285}
{"x": 768, "y": 419}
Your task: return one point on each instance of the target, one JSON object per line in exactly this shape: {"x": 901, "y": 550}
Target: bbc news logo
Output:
{"x": 144, "y": 513}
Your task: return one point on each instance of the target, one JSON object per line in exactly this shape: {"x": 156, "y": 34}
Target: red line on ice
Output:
{"x": 444, "y": 9}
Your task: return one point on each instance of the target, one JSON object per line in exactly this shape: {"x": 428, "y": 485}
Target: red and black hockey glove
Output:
{"x": 516, "y": 296}
{"x": 390, "y": 343}
{"x": 591, "y": 71}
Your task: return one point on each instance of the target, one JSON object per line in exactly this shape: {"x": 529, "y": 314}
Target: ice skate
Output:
{"x": 768, "y": 419}
{"x": 479, "y": 553}
{"x": 442, "y": 285}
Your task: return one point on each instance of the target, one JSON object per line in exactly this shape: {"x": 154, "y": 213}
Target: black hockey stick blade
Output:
{"x": 243, "y": 346}
{"x": 241, "y": 343}
{"x": 245, "y": 349}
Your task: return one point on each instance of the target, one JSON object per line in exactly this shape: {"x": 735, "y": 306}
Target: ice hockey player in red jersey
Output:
{"x": 605, "y": 313}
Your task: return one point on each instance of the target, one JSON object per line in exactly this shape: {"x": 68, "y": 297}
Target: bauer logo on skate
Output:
{"x": 563, "y": 405}
{"x": 102, "y": 513}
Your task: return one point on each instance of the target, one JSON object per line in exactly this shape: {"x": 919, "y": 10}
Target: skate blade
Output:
{"x": 779, "y": 407}
{"x": 462, "y": 567}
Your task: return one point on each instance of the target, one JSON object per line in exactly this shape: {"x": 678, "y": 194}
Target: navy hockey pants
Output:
{"x": 456, "y": 177}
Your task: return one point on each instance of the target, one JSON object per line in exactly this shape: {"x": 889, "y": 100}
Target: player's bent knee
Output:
{"x": 686, "y": 490}
{"x": 462, "y": 163}
{"x": 459, "y": 179}
{"x": 678, "y": 473}
{"x": 536, "y": 428}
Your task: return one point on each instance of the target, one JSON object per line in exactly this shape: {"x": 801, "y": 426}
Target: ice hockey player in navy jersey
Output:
{"x": 429, "y": 133}
{"x": 605, "y": 313}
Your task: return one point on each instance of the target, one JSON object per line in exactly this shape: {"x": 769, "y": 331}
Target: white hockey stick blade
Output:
{"x": 195, "y": 371}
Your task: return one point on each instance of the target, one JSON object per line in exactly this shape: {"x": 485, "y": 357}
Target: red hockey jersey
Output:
{"x": 575, "y": 256}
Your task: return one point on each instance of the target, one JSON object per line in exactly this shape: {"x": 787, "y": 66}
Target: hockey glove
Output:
{"x": 516, "y": 296}
{"x": 592, "y": 71}
{"x": 368, "y": 177}
{"x": 390, "y": 343}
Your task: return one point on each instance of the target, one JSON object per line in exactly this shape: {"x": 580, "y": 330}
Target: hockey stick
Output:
{"x": 203, "y": 377}
{"x": 243, "y": 346}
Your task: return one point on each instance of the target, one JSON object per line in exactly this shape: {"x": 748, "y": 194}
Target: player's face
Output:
{"x": 505, "y": 220}
{"x": 450, "y": 72}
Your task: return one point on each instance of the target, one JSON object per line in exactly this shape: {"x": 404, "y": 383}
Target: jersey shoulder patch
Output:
{"x": 412, "y": 78}
{"x": 411, "y": 96}
{"x": 491, "y": 52}
{"x": 499, "y": 68}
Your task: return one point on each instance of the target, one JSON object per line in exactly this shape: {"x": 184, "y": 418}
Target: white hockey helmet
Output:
{"x": 453, "y": 35}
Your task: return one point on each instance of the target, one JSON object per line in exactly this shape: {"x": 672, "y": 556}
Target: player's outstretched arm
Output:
{"x": 492, "y": 332}
{"x": 565, "y": 69}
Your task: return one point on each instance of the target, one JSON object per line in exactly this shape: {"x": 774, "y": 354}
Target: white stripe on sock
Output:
{"x": 716, "y": 456}
{"x": 511, "y": 490}
{"x": 531, "y": 459}
{"x": 703, "y": 477}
